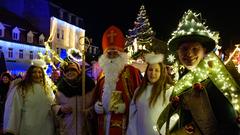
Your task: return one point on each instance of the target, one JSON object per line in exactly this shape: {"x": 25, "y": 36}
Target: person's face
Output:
{"x": 190, "y": 54}
{"x": 153, "y": 73}
{"x": 112, "y": 53}
{"x": 37, "y": 75}
{"x": 71, "y": 74}
{"x": 55, "y": 75}
{"x": 5, "y": 79}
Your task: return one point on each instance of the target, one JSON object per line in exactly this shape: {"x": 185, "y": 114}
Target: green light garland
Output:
{"x": 211, "y": 66}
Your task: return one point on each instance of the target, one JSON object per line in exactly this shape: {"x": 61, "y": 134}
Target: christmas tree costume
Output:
{"x": 206, "y": 97}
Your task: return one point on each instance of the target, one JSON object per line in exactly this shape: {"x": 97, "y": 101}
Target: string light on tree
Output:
{"x": 235, "y": 57}
{"x": 140, "y": 37}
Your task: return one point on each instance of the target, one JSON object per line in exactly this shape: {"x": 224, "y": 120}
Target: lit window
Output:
{"x": 30, "y": 37}
{"x": 15, "y": 33}
{"x": 20, "y": 54}
{"x": 10, "y": 52}
{"x": 31, "y": 55}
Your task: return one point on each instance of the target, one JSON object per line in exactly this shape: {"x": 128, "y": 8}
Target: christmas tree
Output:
{"x": 139, "y": 39}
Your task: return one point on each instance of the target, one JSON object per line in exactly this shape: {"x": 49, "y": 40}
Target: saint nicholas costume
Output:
{"x": 115, "y": 85}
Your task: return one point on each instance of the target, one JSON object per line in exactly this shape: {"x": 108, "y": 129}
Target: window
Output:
{"x": 61, "y": 14}
{"x": 10, "y": 52}
{"x": 41, "y": 39}
{"x": 69, "y": 18}
{"x": 94, "y": 50}
{"x": 38, "y": 56}
{"x": 58, "y": 50}
{"x": 1, "y": 30}
{"x": 90, "y": 49}
{"x": 30, "y": 37}
{"x": 20, "y": 54}
{"x": 77, "y": 21}
{"x": 31, "y": 55}
{"x": 58, "y": 33}
{"x": 62, "y": 34}
{"x": 15, "y": 33}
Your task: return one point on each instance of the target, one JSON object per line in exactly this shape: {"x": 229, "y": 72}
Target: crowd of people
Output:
{"x": 122, "y": 101}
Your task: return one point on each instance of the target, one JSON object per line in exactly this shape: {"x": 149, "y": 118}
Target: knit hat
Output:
{"x": 113, "y": 38}
{"x": 191, "y": 28}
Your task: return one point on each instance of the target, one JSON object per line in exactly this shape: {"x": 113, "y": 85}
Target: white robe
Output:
{"x": 142, "y": 118}
{"x": 31, "y": 117}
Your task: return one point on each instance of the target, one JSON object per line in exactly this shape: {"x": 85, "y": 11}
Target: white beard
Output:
{"x": 111, "y": 68}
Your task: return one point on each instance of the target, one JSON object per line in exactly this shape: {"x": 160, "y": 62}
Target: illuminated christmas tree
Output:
{"x": 139, "y": 39}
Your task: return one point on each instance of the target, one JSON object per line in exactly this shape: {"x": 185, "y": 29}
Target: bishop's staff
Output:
{"x": 83, "y": 48}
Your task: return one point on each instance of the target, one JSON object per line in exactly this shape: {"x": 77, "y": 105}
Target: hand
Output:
{"x": 119, "y": 108}
{"x": 98, "y": 107}
{"x": 66, "y": 109}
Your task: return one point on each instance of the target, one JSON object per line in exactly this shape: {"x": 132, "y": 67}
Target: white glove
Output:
{"x": 98, "y": 107}
{"x": 120, "y": 108}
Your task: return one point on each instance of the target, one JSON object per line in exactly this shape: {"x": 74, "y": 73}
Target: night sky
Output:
{"x": 163, "y": 16}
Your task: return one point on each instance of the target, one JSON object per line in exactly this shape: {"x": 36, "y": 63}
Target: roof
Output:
{"x": 12, "y": 19}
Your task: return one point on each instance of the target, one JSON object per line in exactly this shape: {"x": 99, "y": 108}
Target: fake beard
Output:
{"x": 111, "y": 68}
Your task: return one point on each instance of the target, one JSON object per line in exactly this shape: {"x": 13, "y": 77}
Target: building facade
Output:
{"x": 25, "y": 26}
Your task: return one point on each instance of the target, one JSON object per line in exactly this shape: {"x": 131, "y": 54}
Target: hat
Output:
{"x": 39, "y": 63}
{"x": 152, "y": 58}
{"x": 191, "y": 28}
{"x": 113, "y": 38}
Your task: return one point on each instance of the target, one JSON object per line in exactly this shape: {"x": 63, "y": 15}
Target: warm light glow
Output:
{"x": 211, "y": 67}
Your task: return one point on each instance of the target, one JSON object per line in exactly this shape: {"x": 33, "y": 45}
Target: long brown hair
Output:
{"x": 27, "y": 82}
{"x": 158, "y": 87}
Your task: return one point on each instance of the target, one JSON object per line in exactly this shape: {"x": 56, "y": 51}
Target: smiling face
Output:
{"x": 37, "y": 75}
{"x": 190, "y": 54}
{"x": 153, "y": 73}
{"x": 5, "y": 79}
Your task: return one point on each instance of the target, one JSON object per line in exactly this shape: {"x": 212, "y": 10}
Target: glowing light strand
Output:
{"x": 211, "y": 66}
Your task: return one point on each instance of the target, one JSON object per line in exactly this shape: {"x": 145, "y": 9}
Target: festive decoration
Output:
{"x": 211, "y": 66}
{"x": 191, "y": 27}
{"x": 189, "y": 128}
{"x": 140, "y": 37}
{"x": 171, "y": 58}
{"x": 235, "y": 57}
{"x": 74, "y": 54}
{"x": 198, "y": 86}
{"x": 152, "y": 58}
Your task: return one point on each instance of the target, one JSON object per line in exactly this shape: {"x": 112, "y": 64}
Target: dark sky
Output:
{"x": 164, "y": 16}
